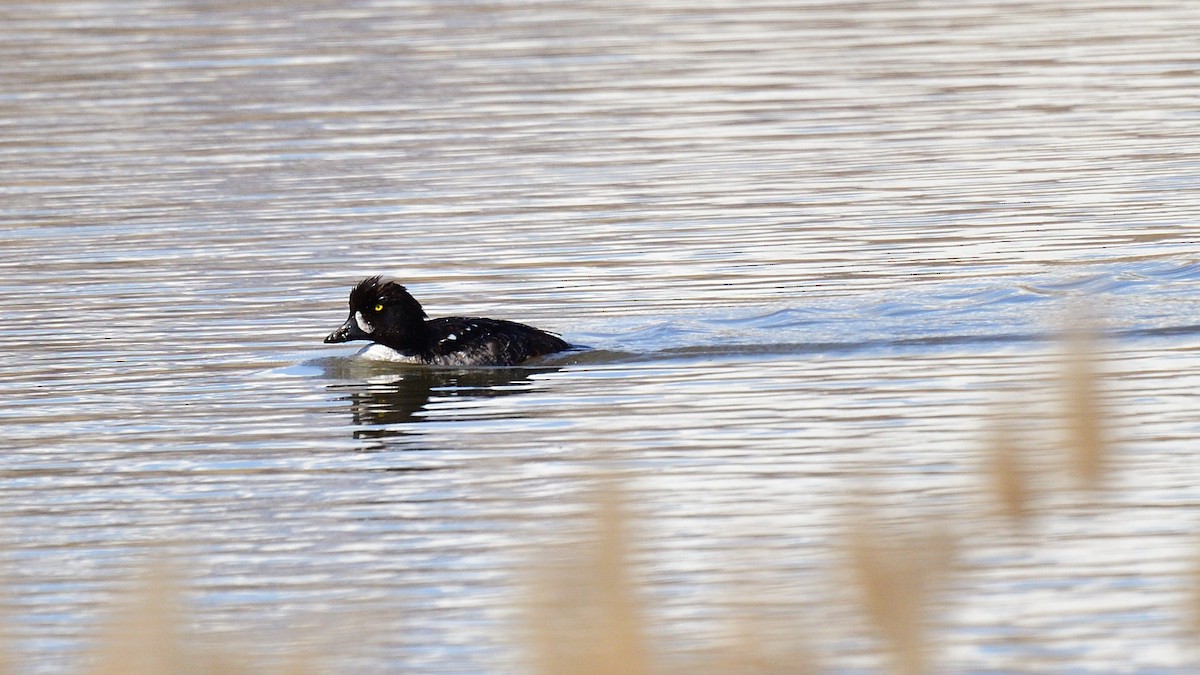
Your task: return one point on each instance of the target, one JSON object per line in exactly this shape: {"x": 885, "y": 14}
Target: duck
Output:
{"x": 385, "y": 313}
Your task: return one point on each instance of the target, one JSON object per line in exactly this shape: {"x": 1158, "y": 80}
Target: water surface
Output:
{"x": 808, "y": 243}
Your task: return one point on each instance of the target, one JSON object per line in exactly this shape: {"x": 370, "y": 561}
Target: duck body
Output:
{"x": 383, "y": 311}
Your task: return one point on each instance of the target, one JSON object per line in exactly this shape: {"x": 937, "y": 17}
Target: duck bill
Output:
{"x": 349, "y": 331}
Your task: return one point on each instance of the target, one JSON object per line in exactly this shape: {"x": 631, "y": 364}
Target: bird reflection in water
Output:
{"x": 384, "y": 399}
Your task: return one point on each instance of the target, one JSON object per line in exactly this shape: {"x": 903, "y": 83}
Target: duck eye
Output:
{"x": 379, "y": 307}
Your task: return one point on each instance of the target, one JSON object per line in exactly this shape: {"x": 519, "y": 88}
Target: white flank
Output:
{"x": 377, "y": 352}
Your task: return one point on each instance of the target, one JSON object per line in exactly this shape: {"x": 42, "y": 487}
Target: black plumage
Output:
{"x": 384, "y": 312}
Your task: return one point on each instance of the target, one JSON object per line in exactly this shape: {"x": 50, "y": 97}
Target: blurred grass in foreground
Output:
{"x": 585, "y": 613}
{"x": 903, "y": 576}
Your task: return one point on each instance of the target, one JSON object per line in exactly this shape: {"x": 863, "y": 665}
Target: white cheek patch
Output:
{"x": 363, "y": 324}
{"x": 452, "y": 336}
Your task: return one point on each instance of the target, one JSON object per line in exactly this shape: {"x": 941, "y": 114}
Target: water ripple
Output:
{"x": 805, "y": 243}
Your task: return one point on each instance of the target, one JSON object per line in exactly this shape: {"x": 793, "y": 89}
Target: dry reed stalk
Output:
{"x": 145, "y": 635}
{"x": 586, "y": 619}
{"x": 897, "y": 577}
{"x": 1087, "y": 449}
{"x": 1006, "y": 471}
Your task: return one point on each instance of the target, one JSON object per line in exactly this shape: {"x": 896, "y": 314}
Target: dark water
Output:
{"x": 808, "y": 243}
